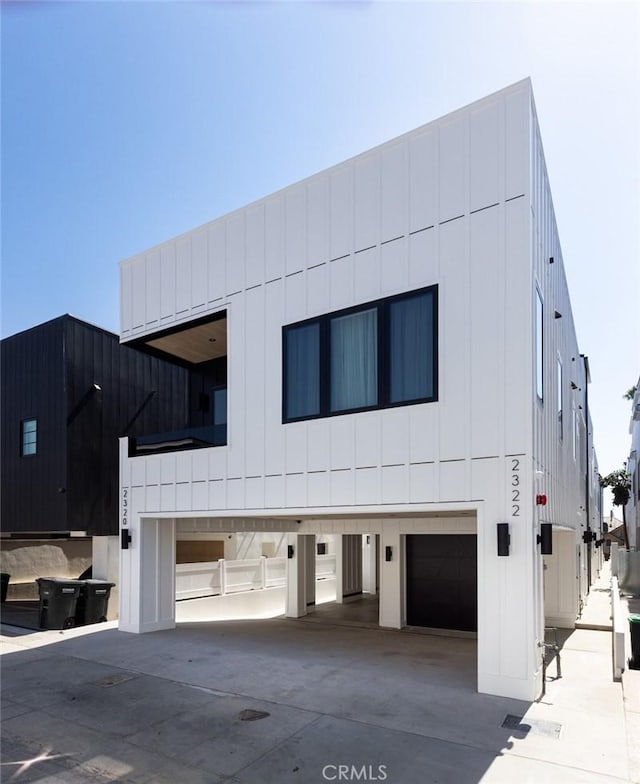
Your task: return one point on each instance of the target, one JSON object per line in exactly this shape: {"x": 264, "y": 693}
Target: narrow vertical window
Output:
{"x": 354, "y": 360}
{"x": 29, "y": 437}
{"x": 539, "y": 346}
{"x": 302, "y": 371}
{"x": 560, "y": 423}
{"x": 411, "y": 348}
{"x": 219, "y": 398}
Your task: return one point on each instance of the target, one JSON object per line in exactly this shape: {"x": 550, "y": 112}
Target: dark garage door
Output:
{"x": 441, "y": 581}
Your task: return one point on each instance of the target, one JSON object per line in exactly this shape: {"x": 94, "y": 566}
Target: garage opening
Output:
{"x": 442, "y": 581}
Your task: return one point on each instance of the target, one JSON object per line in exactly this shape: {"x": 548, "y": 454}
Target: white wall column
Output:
{"x": 106, "y": 566}
{"x": 147, "y": 576}
{"x": 296, "y": 605}
{"x": 369, "y": 564}
{"x": 391, "y": 578}
{"x": 614, "y": 558}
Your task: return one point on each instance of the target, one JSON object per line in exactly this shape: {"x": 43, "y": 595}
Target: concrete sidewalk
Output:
{"x": 99, "y": 705}
{"x": 596, "y": 613}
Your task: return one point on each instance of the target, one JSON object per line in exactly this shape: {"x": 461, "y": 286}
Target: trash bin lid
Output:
{"x": 57, "y": 586}
{"x": 98, "y": 583}
{"x": 634, "y": 619}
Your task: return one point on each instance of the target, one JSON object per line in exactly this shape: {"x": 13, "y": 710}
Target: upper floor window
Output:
{"x": 539, "y": 345}
{"x": 28, "y": 437}
{"x": 377, "y": 355}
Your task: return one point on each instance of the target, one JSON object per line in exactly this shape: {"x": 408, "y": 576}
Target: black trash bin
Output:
{"x": 634, "y": 628}
{"x": 93, "y": 601}
{"x": 4, "y": 577}
{"x": 58, "y": 599}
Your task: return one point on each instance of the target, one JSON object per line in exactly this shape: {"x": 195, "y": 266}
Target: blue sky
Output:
{"x": 124, "y": 124}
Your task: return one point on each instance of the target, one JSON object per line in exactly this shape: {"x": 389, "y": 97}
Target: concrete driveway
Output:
{"x": 288, "y": 701}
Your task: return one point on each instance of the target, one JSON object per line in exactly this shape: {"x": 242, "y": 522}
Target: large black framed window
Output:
{"x": 377, "y": 355}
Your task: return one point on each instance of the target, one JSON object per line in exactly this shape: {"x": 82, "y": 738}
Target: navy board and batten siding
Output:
{"x": 50, "y": 373}
{"x": 33, "y": 387}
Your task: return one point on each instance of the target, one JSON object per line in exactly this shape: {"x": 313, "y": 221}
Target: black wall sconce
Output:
{"x": 557, "y": 314}
{"x": 321, "y": 548}
{"x": 545, "y": 539}
{"x": 388, "y": 552}
{"x": 125, "y": 538}
{"x": 289, "y": 551}
{"x": 504, "y": 538}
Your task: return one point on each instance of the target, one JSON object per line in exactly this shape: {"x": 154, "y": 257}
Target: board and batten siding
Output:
{"x": 33, "y": 388}
{"x": 446, "y": 204}
{"x": 463, "y": 204}
{"x": 562, "y": 474}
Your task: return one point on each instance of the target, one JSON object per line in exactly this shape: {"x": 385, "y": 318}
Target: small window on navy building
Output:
{"x": 28, "y": 437}
{"x": 376, "y": 355}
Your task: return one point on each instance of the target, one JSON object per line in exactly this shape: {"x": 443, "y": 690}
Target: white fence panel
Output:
{"x": 275, "y": 572}
{"x": 245, "y": 575}
{"x": 197, "y": 579}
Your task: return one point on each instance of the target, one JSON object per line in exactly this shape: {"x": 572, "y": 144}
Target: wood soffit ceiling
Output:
{"x": 198, "y": 344}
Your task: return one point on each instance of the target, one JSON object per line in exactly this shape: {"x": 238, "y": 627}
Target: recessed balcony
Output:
{"x": 199, "y": 406}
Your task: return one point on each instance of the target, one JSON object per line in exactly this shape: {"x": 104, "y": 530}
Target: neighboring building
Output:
{"x": 69, "y": 391}
{"x": 633, "y": 469}
{"x": 401, "y": 362}
{"x": 613, "y": 533}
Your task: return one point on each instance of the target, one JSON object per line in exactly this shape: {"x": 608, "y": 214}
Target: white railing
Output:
{"x": 275, "y": 572}
{"x": 218, "y": 578}
{"x": 197, "y": 579}
{"x": 244, "y": 575}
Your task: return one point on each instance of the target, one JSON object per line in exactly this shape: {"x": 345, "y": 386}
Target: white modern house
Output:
{"x": 384, "y": 349}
